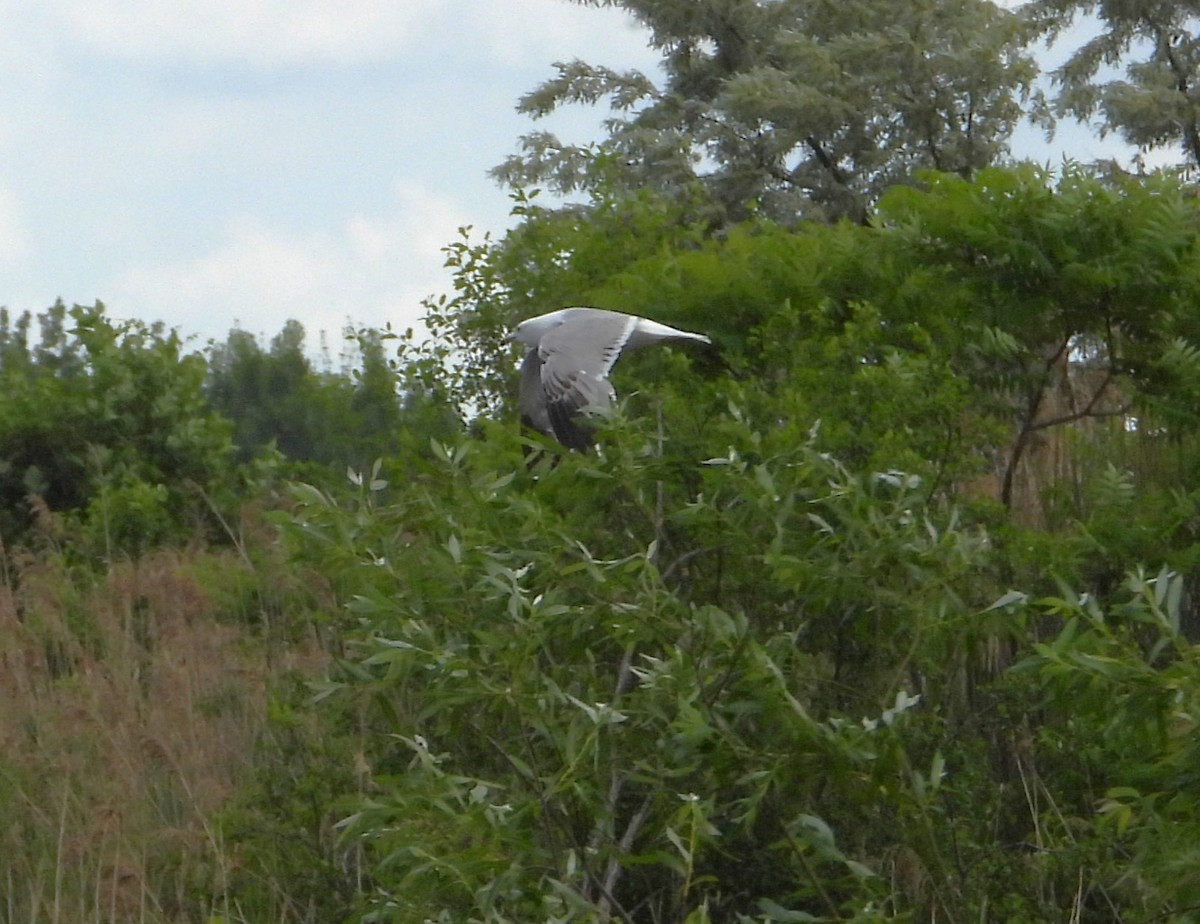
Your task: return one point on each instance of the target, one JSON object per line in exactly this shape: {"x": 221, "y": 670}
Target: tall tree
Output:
{"x": 808, "y": 109}
{"x": 1157, "y": 102}
{"x": 329, "y": 419}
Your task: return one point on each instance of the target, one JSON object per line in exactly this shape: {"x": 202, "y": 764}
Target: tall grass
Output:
{"x": 130, "y": 703}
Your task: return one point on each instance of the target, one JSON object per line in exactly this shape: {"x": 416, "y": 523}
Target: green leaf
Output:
{"x": 776, "y": 912}
{"x": 1012, "y": 597}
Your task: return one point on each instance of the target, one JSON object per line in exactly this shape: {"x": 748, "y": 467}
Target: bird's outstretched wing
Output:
{"x": 575, "y": 361}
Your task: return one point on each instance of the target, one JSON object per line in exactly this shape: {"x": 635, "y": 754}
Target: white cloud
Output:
{"x": 604, "y": 35}
{"x": 256, "y": 32}
{"x": 369, "y": 270}
{"x": 264, "y": 34}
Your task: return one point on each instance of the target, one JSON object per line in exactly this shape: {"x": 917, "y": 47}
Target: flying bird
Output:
{"x": 565, "y": 372}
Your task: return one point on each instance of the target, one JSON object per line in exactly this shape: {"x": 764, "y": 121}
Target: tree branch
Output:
{"x": 1191, "y": 134}
{"x": 1032, "y": 405}
{"x": 1088, "y": 411}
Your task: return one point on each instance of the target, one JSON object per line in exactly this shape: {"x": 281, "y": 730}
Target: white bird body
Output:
{"x": 565, "y": 372}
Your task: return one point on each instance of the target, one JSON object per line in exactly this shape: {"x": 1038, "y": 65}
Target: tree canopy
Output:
{"x": 108, "y": 419}
{"x": 792, "y": 108}
{"x": 1155, "y": 102}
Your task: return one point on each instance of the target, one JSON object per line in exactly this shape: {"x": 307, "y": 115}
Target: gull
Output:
{"x": 565, "y": 373}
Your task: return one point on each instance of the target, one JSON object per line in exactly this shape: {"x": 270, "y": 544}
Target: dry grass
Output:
{"x": 128, "y": 715}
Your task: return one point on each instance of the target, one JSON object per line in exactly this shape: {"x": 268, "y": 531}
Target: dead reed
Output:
{"x": 129, "y": 708}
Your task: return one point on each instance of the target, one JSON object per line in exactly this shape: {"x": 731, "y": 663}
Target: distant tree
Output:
{"x": 275, "y": 396}
{"x": 1156, "y": 102}
{"x": 333, "y": 419}
{"x": 14, "y": 340}
{"x": 236, "y": 389}
{"x": 795, "y": 108}
{"x": 375, "y": 385}
{"x": 290, "y": 384}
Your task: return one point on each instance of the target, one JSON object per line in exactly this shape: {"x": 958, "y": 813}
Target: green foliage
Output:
{"x": 289, "y": 866}
{"x": 132, "y": 517}
{"x": 800, "y": 323}
{"x": 1064, "y": 298}
{"x": 751, "y": 660}
{"x": 777, "y": 696}
{"x": 1152, "y": 106}
{"x": 597, "y": 691}
{"x": 108, "y": 420}
{"x": 1045, "y": 260}
{"x": 1115, "y": 756}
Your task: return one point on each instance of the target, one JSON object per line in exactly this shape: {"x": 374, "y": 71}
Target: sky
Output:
{"x": 236, "y": 163}
{"x": 221, "y": 163}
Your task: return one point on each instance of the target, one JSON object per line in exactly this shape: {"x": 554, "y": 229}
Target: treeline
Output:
{"x": 141, "y": 439}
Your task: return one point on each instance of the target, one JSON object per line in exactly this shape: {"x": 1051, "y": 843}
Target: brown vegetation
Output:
{"x": 129, "y": 707}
